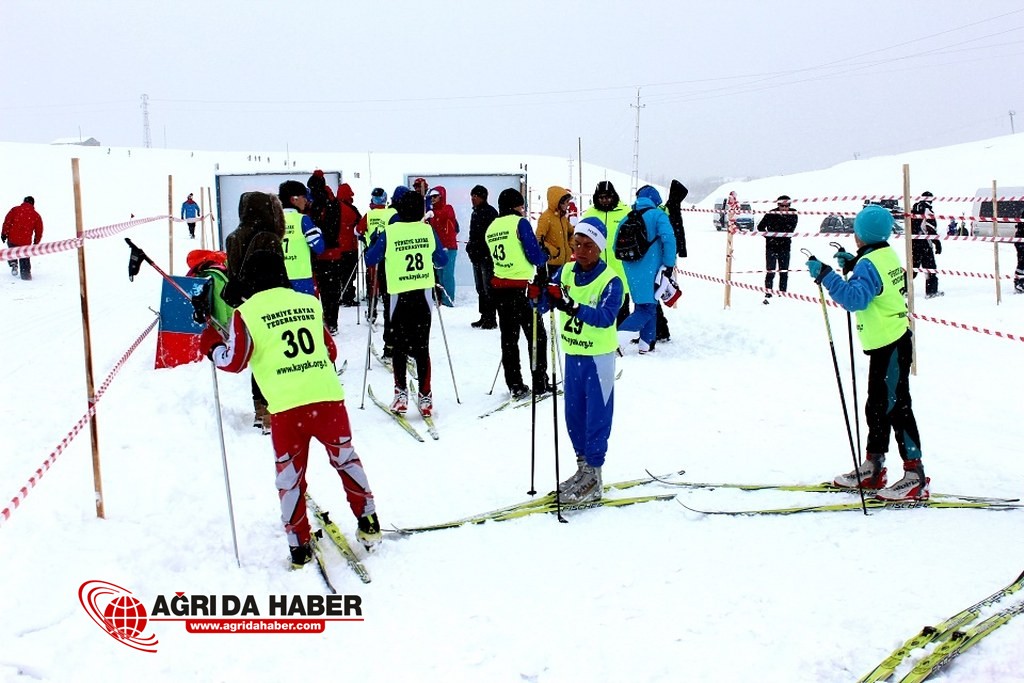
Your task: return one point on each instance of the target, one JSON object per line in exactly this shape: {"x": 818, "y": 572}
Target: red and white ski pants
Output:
{"x": 291, "y": 432}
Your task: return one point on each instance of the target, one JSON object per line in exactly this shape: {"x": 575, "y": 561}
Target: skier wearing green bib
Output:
{"x": 281, "y": 334}
{"x": 410, "y": 250}
{"x": 875, "y": 292}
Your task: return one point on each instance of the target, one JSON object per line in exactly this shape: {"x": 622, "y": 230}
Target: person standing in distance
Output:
{"x": 483, "y": 270}
{"x": 516, "y": 256}
{"x": 776, "y": 249}
{"x": 923, "y": 223}
{"x": 22, "y": 227}
{"x": 611, "y": 210}
{"x": 442, "y": 219}
{"x": 189, "y": 214}
{"x": 302, "y": 239}
{"x": 554, "y": 231}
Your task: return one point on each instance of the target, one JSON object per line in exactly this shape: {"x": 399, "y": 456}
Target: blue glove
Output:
{"x": 845, "y": 260}
{"x": 818, "y": 269}
{"x": 541, "y": 302}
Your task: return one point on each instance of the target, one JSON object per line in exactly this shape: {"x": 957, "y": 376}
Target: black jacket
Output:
{"x": 778, "y": 220}
{"x": 676, "y": 194}
{"x": 924, "y": 226}
{"x": 481, "y": 219}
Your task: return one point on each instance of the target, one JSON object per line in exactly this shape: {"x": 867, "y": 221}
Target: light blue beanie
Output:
{"x": 873, "y": 224}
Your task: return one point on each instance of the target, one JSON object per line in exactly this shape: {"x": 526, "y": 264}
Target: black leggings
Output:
{"x": 410, "y": 337}
{"x": 515, "y": 314}
{"x": 888, "y": 405}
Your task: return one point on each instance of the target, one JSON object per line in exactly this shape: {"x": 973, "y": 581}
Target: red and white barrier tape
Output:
{"x": 937, "y": 217}
{"x": 41, "y": 248}
{"x": 840, "y": 235}
{"x": 829, "y": 302}
{"x": 92, "y": 233}
{"x": 113, "y": 229}
{"x": 6, "y": 513}
{"x": 877, "y": 197}
{"x": 754, "y": 288}
{"x": 962, "y": 273}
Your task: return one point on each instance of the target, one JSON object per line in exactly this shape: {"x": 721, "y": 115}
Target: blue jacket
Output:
{"x": 189, "y": 209}
{"x": 863, "y": 286}
{"x": 662, "y": 253}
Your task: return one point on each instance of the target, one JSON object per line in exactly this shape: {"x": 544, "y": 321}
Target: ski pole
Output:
{"x": 839, "y": 382}
{"x": 135, "y": 261}
{"x": 554, "y": 415}
{"x": 444, "y": 336}
{"x": 370, "y": 307}
{"x": 533, "y": 403}
{"x": 351, "y": 277}
{"x": 853, "y": 369}
{"x": 495, "y": 378}
{"x": 224, "y": 463}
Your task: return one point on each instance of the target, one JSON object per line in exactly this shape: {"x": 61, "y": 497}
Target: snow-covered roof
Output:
{"x": 85, "y": 142}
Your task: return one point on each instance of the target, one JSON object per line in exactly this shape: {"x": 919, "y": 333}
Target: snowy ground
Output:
{"x": 646, "y": 593}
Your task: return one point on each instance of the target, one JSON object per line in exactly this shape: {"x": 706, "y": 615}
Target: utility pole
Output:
{"x": 147, "y": 140}
{"x": 634, "y": 179}
{"x": 1012, "y": 114}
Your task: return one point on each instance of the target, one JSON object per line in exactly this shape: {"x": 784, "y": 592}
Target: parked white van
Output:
{"x": 982, "y": 210}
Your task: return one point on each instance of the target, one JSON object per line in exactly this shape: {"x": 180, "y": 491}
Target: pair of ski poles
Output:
{"x": 854, "y": 450}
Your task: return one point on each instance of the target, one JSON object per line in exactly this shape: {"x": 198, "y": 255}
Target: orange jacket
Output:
{"x": 554, "y": 229}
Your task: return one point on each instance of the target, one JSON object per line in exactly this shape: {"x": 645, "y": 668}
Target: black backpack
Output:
{"x": 631, "y": 241}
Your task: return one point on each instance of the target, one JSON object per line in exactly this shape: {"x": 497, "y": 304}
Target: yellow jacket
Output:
{"x": 554, "y": 230}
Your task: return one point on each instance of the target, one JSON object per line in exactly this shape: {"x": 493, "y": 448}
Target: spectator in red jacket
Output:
{"x": 347, "y": 244}
{"x": 22, "y": 227}
{"x": 442, "y": 218}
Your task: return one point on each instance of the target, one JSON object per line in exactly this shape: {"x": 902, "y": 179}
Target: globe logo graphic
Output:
{"x": 125, "y": 616}
{"x": 115, "y": 610}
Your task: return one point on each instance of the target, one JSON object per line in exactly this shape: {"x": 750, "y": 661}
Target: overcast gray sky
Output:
{"x": 727, "y": 87}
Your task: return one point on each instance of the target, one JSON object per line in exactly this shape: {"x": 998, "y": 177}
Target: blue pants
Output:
{"x": 448, "y": 279}
{"x": 589, "y": 404}
{"x": 643, "y": 319}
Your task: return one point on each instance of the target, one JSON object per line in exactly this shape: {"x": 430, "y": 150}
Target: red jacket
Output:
{"x": 444, "y": 222}
{"x": 23, "y": 226}
{"x": 350, "y": 216}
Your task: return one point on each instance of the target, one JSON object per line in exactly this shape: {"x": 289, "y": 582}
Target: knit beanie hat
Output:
{"x": 410, "y": 207}
{"x": 873, "y": 224}
{"x": 289, "y": 189}
{"x": 509, "y": 199}
{"x": 379, "y": 197}
{"x": 317, "y": 180}
{"x": 478, "y": 191}
{"x": 593, "y": 227}
{"x": 396, "y": 196}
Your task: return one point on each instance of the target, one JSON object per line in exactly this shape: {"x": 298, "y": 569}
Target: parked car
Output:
{"x": 982, "y": 211}
{"x": 838, "y": 224}
{"x": 894, "y": 207}
{"x": 843, "y": 225}
{"x": 744, "y": 219}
